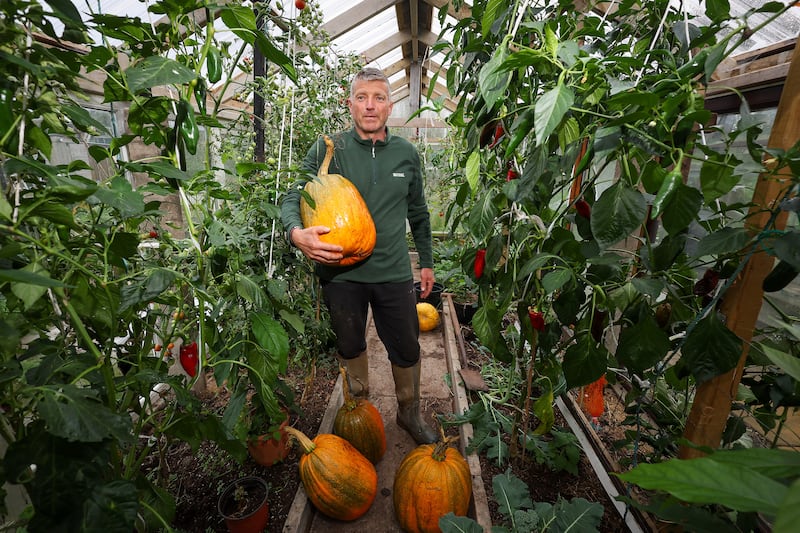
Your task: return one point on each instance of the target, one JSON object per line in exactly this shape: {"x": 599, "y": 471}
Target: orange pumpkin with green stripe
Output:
{"x": 432, "y": 480}
{"x": 338, "y": 479}
{"x": 360, "y": 423}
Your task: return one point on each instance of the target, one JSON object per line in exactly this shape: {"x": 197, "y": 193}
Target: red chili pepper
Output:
{"x": 480, "y": 262}
{"x": 537, "y": 319}
{"x": 583, "y": 208}
{"x": 511, "y": 174}
{"x": 498, "y": 135}
{"x": 189, "y": 359}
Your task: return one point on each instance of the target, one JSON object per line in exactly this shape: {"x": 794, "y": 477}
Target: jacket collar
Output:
{"x": 368, "y": 142}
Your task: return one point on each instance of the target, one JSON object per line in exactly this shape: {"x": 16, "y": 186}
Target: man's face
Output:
{"x": 370, "y": 107}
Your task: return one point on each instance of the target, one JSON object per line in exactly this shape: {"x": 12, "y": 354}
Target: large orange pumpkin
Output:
{"x": 431, "y": 481}
{"x": 339, "y": 206}
{"x": 360, "y": 423}
{"x": 338, "y": 480}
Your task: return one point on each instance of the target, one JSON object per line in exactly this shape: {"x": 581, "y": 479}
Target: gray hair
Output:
{"x": 369, "y": 74}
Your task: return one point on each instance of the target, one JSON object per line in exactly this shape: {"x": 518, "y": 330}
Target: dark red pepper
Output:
{"x": 707, "y": 283}
{"x": 583, "y": 208}
{"x": 511, "y": 174}
{"x": 498, "y": 135}
{"x": 480, "y": 262}
{"x": 536, "y": 318}
{"x": 189, "y": 359}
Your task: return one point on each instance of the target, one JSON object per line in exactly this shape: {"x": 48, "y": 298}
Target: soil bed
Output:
{"x": 197, "y": 478}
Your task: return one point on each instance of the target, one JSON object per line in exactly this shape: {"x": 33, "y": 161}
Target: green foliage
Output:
{"x": 524, "y": 516}
{"x": 101, "y": 283}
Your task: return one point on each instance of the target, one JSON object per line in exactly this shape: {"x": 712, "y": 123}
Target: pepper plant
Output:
{"x": 597, "y": 233}
{"x": 100, "y": 293}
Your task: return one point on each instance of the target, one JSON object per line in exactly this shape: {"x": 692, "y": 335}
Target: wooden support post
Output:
{"x": 742, "y": 302}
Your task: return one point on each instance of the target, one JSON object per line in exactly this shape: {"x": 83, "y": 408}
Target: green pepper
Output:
{"x": 200, "y": 95}
{"x": 667, "y": 190}
{"x": 214, "y": 65}
{"x": 187, "y": 127}
{"x": 522, "y": 126}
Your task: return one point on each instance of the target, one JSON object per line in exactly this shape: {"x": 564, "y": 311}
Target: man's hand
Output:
{"x": 308, "y": 241}
{"x": 425, "y": 281}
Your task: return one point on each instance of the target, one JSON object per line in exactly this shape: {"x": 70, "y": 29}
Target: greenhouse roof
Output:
{"x": 398, "y": 36}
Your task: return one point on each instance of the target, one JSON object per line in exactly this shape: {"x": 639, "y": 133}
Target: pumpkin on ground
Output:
{"x": 359, "y": 422}
{"x": 428, "y": 316}
{"x": 338, "y": 480}
{"x": 338, "y": 205}
{"x": 431, "y": 481}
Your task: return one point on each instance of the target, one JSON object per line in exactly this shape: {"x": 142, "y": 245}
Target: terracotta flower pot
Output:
{"x": 244, "y": 506}
{"x": 266, "y": 450}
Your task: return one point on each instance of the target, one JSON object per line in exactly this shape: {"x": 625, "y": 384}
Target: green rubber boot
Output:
{"x": 358, "y": 374}
{"x": 406, "y": 386}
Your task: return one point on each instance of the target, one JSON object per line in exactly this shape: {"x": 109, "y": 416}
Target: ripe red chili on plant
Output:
{"x": 583, "y": 208}
{"x": 511, "y": 174}
{"x": 189, "y": 359}
{"x": 480, "y": 262}
{"x": 536, "y": 318}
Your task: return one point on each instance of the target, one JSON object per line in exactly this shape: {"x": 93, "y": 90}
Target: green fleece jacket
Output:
{"x": 388, "y": 174}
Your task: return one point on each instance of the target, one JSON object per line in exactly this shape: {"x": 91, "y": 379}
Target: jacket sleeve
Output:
{"x": 290, "y": 203}
{"x": 419, "y": 219}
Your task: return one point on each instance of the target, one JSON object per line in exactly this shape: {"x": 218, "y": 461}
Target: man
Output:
{"x": 388, "y": 174}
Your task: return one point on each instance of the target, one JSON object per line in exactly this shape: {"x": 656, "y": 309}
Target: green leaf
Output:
{"x": 77, "y": 414}
{"x": 490, "y": 13}
{"x": 774, "y": 463}
{"x": 84, "y": 121}
{"x": 718, "y": 10}
{"x": 486, "y": 324}
{"x": 121, "y": 196}
{"x": 555, "y": 279}
{"x": 710, "y": 349}
{"x": 473, "y": 170}
{"x": 29, "y": 276}
{"x": 543, "y": 409}
{"x": 787, "y": 248}
{"x": 681, "y": 209}
{"x": 725, "y": 241}
{"x": 705, "y": 481}
{"x": 482, "y": 216}
{"x": 251, "y": 291}
{"x": 271, "y": 336}
{"x": 550, "y": 110}
{"x": 450, "y": 523}
{"x": 642, "y": 345}
{"x": 493, "y": 78}
{"x": 786, "y": 362}
{"x": 618, "y": 212}
{"x": 584, "y": 362}
{"x": 115, "y": 505}
{"x": 30, "y": 293}
{"x": 154, "y": 71}
{"x": 716, "y": 180}
{"x": 511, "y": 493}
{"x": 789, "y": 511}
{"x": 146, "y": 288}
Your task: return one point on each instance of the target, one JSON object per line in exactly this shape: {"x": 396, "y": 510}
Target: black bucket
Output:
{"x": 434, "y": 298}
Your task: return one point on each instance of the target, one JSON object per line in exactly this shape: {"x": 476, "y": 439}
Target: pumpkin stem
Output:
{"x": 305, "y": 443}
{"x": 323, "y": 168}
{"x": 349, "y": 401}
{"x": 441, "y": 447}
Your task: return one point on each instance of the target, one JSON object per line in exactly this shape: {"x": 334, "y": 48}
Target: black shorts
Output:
{"x": 393, "y": 310}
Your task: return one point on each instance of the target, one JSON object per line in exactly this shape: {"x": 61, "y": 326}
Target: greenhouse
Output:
{"x": 400, "y": 266}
